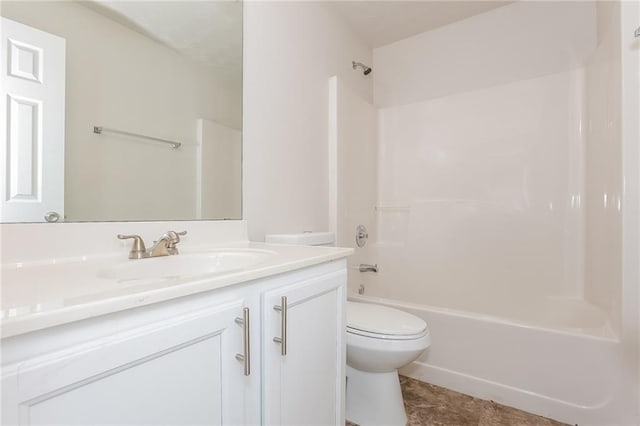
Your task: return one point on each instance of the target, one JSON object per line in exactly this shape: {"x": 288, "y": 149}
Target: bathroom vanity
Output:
{"x": 91, "y": 338}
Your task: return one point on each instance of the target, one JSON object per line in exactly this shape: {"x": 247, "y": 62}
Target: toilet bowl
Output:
{"x": 379, "y": 341}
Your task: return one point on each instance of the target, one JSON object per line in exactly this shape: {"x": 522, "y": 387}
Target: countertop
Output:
{"x": 45, "y": 293}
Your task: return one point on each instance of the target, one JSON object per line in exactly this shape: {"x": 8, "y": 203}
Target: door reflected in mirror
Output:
{"x": 121, "y": 111}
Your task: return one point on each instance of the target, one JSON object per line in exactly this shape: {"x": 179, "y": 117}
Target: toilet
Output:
{"x": 380, "y": 340}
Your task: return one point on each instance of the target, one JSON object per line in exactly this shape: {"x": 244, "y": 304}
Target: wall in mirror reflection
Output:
{"x": 124, "y": 78}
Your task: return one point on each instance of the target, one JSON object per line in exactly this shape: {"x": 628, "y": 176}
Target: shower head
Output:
{"x": 365, "y": 69}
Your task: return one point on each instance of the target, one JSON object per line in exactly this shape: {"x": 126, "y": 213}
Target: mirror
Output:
{"x": 121, "y": 110}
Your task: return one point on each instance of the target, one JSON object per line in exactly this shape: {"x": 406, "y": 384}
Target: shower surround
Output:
{"x": 497, "y": 210}
{"x": 480, "y": 197}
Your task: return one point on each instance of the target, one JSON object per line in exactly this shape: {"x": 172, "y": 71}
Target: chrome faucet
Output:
{"x": 165, "y": 246}
{"x": 368, "y": 268}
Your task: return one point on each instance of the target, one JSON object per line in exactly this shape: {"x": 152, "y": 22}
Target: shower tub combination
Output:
{"x": 489, "y": 173}
{"x": 560, "y": 363}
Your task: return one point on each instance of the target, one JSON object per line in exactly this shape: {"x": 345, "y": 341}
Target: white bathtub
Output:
{"x": 558, "y": 359}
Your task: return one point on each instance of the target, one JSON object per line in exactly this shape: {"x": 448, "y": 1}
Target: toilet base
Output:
{"x": 374, "y": 398}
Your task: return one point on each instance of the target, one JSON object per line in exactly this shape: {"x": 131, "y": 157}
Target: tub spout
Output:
{"x": 368, "y": 268}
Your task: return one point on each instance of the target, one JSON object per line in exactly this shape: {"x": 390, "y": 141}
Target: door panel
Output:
{"x": 308, "y": 372}
{"x": 306, "y": 386}
{"x": 181, "y": 370}
{"x": 157, "y": 391}
{"x": 32, "y": 125}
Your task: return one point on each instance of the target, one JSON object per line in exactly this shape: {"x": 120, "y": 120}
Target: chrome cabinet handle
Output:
{"x": 283, "y": 325}
{"x": 245, "y": 357}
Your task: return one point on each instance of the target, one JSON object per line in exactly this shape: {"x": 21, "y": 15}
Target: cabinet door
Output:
{"x": 305, "y": 385}
{"x": 179, "y": 371}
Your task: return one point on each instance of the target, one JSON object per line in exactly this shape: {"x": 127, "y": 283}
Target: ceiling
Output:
{"x": 383, "y": 22}
{"x": 209, "y": 32}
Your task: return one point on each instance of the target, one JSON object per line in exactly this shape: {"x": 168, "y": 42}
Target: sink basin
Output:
{"x": 186, "y": 265}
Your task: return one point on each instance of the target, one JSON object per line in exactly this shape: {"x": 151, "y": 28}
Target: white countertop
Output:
{"x": 44, "y": 293}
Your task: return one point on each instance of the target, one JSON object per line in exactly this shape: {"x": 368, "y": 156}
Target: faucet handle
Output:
{"x": 174, "y": 237}
{"x": 138, "y": 249}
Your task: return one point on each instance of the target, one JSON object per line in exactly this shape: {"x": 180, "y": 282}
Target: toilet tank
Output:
{"x": 302, "y": 239}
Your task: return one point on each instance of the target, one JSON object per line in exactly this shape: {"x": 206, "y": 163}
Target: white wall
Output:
{"x": 538, "y": 38}
{"x": 353, "y": 166}
{"x": 290, "y": 51}
{"x": 119, "y": 78}
{"x": 218, "y": 171}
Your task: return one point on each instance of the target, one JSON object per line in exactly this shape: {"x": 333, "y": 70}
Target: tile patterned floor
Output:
{"x": 429, "y": 405}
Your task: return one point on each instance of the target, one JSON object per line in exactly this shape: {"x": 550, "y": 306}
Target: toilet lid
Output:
{"x": 383, "y": 320}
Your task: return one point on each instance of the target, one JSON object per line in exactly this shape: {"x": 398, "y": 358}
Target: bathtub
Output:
{"x": 557, "y": 358}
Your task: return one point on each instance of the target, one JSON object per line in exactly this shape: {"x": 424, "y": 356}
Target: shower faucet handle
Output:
{"x": 361, "y": 236}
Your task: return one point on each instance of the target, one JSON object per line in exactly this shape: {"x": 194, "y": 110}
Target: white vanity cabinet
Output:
{"x": 180, "y": 370}
{"x": 304, "y": 352}
{"x": 184, "y": 361}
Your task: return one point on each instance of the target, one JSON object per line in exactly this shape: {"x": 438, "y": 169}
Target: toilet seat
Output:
{"x": 357, "y": 332}
{"x": 381, "y": 322}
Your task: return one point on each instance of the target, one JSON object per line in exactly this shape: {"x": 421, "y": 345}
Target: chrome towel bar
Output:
{"x": 100, "y": 129}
